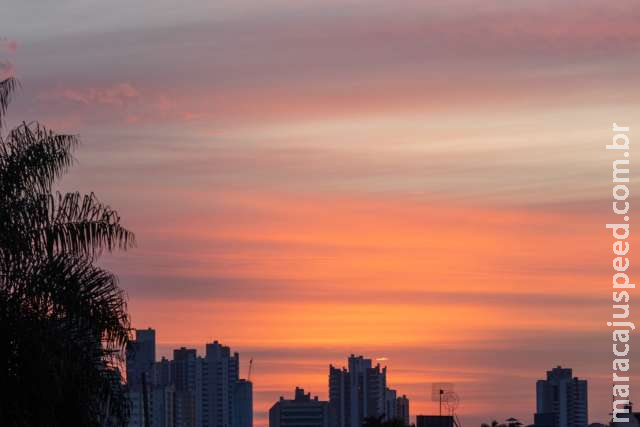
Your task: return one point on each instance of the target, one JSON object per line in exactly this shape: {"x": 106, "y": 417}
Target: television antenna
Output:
{"x": 447, "y": 398}
{"x": 440, "y": 393}
{"x": 450, "y": 401}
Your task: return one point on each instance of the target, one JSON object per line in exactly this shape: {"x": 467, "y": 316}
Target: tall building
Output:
{"x": 359, "y": 392}
{"x": 161, "y": 373}
{"x": 141, "y": 356}
{"x": 390, "y": 404}
{"x": 217, "y": 376}
{"x": 243, "y": 404}
{"x": 188, "y": 391}
{"x": 184, "y": 380}
{"x": 339, "y": 397}
{"x": 302, "y": 410}
{"x": 402, "y": 410}
{"x": 561, "y": 400}
{"x": 162, "y": 406}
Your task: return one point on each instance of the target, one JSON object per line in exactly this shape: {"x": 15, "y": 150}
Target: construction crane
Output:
{"x": 250, "y": 369}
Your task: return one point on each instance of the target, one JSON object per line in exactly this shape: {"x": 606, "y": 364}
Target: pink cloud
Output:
{"x": 120, "y": 102}
{"x": 6, "y": 70}
{"x": 114, "y": 95}
{"x": 8, "y": 45}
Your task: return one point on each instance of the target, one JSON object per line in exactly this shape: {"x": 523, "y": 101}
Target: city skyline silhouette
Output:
{"x": 246, "y": 372}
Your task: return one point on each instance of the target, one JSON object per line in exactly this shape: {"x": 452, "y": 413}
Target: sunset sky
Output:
{"x": 425, "y": 180}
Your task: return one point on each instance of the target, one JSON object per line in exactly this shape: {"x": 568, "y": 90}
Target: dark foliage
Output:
{"x": 63, "y": 320}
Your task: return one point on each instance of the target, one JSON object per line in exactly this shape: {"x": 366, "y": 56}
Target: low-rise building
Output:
{"x": 301, "y": 411}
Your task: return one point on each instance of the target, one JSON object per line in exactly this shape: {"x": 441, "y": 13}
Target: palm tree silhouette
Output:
{"x": 63, "y": 319}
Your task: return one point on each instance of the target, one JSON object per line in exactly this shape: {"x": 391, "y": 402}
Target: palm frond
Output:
{"x": 73, "y": 290}
{"x": 80, "y": 224}
{"x": 63, "y": 320}
{"x": 7, "y": 86}
{"x": 56, "y": 367}
{"x": 69, "y": 223}
{"x": 32, "y": 157}
{"x": 77, "y": 312}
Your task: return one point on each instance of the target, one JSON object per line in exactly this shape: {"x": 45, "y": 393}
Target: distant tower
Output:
{"x": 184, "y": 378}
{"x": 390, "y": 404}
{"x": 188, "y": 391}
{"x": 561, "y": 400}
{"x": 402, "y": 409}
{"x": 141, "y": 356}
{"x": 243, "y": 404}
{"x": 358, "y": 393}
{"x": 141, "y": 353}
{"x": 222, "y": 400}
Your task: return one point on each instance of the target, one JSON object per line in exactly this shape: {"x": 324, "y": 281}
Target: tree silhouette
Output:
{"x": 63, "y": 320}
{"x": 513, "y": 422}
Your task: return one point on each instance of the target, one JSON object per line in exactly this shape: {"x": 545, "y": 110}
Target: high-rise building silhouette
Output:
{"x": 189, "y": 391}
{"x": 140, "y": 356}
{"x": 359, "y": 392}
{"x": 162, "y": 405}
{"x": 218, "y": 375}
{"x": 184, "y": 380}
{"x": 561, "y": 400}
{"x": 243, "y": 404}
{"x": 390, "y": 404}
{"x": 402, "y": 409}
{"x": 302, "y": 410}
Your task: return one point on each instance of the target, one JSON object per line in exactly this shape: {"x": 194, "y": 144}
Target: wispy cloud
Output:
{"x": 115, "y": 95}
{"x": 7, "y": 69}
{"x": 8, "y": 45}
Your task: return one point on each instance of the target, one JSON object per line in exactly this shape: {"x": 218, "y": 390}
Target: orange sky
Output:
{"x": 449, "y": 291}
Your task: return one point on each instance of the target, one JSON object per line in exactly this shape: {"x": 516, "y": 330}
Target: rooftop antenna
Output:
{"x": 447, "y": 398}
{"x": 438, "y": 391}
{"x": 250, "y": 369}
